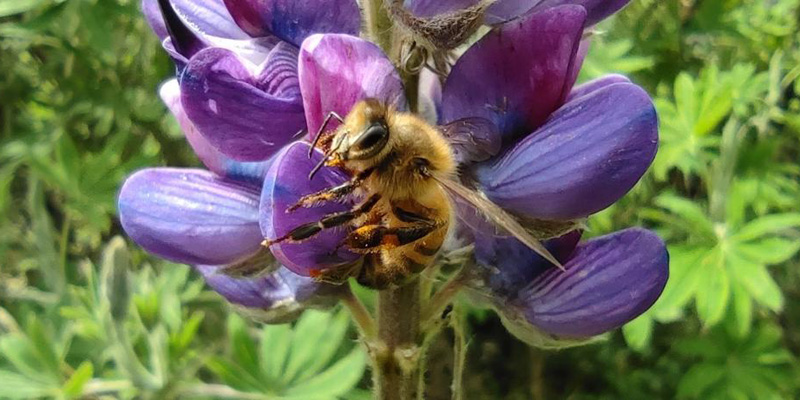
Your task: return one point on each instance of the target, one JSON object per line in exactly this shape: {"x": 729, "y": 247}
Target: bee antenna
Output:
{"x": 319, "y": 164}
{"x": 322, "y": 127}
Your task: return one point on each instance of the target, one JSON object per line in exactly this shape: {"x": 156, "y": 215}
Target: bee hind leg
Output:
{"x": 310, "y": 229}
{"x": 373, "y": 238}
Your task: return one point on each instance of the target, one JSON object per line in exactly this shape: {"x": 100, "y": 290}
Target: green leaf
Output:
{"x": 693, "y": 216}
{"x": 11, "y": 7}
{"x": 188, "y": 331}
{"x": 638, "y": 332}
{"x": 773, "y": 250}
{"x": 274, "y": 349}
{"x": 769, "y": 224}
{"x": 244, "y": 349}
{"x": 236, "y": 376}
{"x": 757, "y": 281}
{"x": 16, "y": 386}
{"x": 311, "y": 330}
{"x": 684, "y": 278}
{"x": 74, "y": 385}
{"x": 713, "y": 290}
{"x": 336, "y": 380}
{"x": 699, "y": 378}
{"x": 324, "y": 350}
{"x": 742, "y": 309}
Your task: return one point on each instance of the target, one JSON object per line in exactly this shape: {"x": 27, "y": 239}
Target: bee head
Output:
{"x": 368, "y": 131}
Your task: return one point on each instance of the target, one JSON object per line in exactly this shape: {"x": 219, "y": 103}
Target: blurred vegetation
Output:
{"x": 82, "y": 314}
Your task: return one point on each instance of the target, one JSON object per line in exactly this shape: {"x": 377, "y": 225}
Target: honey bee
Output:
{"x": 404, "y": 171}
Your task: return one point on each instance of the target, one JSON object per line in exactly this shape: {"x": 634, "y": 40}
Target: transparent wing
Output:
{"x": 499, "y": 217}
{"x": 472, "y": 139}
{"x": 257, "y": 264}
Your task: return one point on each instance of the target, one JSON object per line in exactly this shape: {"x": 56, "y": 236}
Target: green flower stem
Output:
{"x": 379, "y": 27}
{"x": 444, "y": 296}
{"x": 459, "y": 352}
{"x": 398, "y": 353}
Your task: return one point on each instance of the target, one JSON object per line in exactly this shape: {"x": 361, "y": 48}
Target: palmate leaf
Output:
{"x": 18, "y": 386}
{"x": 293, "y": 362}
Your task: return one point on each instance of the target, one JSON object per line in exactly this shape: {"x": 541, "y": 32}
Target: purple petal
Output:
{"x": 203, "y": 17}
{"x": 508, "y": 264}
{"x": 152, "y": 14}
{"x": 279, "y": 295}
{"x": 247, "y": 115}
{"x": 190, "y": 216}
{"x": 430, "y": 8}
{"x": 184, "y": 40}
{"x": 286, "y": 182}
{"x": 595, "y": 85}
{"x": 211, "y": 157}
{"x": 336, "y": 71}
{"x": 472, "y": 139}
{"x": 588, "y": 155}
{"x": 295, "y": 20}
{"x": 596, "y": 10}
{"x": 608, "y": 281}
{"x": 518, "y": 74}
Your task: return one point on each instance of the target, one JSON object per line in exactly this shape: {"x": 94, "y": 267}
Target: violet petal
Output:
{"x": 190, "y": 216}
{"x": 518, "y": 74}
{"x": 507, "y": 264}
{"x": 336, "y": 71}
{"x": 595, "y": 85}
{"x": 596, "y": 10}
{"x": 203, "y": 17}
{"x": 590, "y": 153}
{"x": 608, "y": 281}
{"x": 295, "y": 20}
{"x": 247, "y": 115}
{"x": 286, "y": 182}
{"x": 279, "y": 295}
{"x": 212, "y": 158}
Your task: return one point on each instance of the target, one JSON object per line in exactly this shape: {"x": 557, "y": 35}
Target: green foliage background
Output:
{"x": 83, "y": 315}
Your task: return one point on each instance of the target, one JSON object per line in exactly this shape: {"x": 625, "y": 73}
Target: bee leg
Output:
{"x": 373, "y": 238}
{"x": 334, "y": 193}
{"x": 310, "y": 229}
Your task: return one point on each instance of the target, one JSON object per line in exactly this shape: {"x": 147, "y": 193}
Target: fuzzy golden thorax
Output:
{"x": 404, "y": 151}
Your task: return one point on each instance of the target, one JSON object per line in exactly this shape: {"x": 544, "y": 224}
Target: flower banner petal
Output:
{"x": 336, "y": 71}
{"x": 190, "y": 216}
{"x": 608, "y": 281}
{"x": 590, "y": 153}
{"x": 247, "y": 115}
{"x": 295, "y": 20}
{"x": 518, "y": 74}
{"x": 595, "y": 85}
{"x": 286, "y": 182}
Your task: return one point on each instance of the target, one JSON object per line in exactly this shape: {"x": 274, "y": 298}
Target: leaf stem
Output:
{"x": 361, "y": 316}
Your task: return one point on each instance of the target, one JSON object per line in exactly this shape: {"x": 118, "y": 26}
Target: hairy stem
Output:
{"x": 397, "y": 362}
{"x": 379, "y": 27}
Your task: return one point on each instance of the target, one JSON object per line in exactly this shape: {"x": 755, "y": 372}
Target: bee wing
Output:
{"x": 472, "y": 139}
{"x": 498, "y": 216}
{"x": 257, "y": 264}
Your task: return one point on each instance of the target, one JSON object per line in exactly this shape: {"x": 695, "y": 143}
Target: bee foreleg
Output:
{"x": 310, "y": 229}
{"x": 373, "y": 238}
{"x": 322, "y": 127}
{"x": 334, "y": 193}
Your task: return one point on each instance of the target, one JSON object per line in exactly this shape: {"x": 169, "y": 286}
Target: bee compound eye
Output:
{"x": 371, "y": 141}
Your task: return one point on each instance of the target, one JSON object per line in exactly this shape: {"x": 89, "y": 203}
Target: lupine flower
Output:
{"x": 568, "y": 152}
{"x": 554, "y": 153}
{"x": 237, "y": 65}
